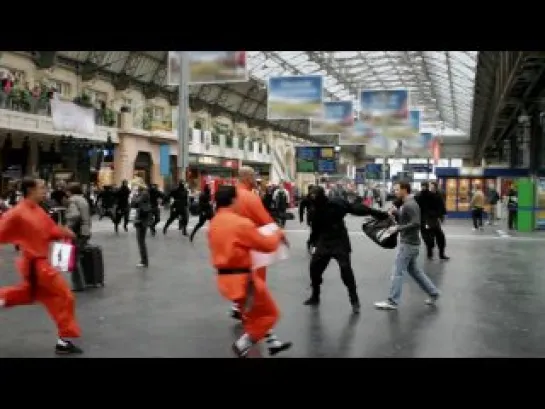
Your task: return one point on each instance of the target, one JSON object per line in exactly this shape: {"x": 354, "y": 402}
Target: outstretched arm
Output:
{"x": 359, "y": 209}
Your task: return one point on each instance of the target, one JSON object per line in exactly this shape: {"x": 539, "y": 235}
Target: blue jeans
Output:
{"x": 407, "y": 262}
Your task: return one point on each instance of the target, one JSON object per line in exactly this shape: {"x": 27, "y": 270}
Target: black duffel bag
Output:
{"x": 377, "y": 230}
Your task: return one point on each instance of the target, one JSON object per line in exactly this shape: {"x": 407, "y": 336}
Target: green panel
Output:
{"x": 526, "y": 199}
{"x": 305, "y": 166}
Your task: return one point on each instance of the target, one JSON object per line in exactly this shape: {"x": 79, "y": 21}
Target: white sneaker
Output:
{"x": 473, "y": 229}
{"x": 385, "y": 305}
{"x": 140, "y": 265}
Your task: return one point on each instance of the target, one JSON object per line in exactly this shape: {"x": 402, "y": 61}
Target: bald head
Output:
{"x": 246, "y": 176}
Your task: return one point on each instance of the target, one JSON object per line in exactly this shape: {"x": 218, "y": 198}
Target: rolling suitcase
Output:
{"x": 93, "y": 265}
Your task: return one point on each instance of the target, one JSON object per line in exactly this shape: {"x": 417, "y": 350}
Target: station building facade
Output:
{"x": 128, "y": 136}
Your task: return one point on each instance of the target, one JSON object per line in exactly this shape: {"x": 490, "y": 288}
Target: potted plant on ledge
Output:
{"x": 84, "y": 100}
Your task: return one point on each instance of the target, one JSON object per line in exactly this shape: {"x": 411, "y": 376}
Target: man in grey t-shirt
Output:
{"x": 407, "y": 251}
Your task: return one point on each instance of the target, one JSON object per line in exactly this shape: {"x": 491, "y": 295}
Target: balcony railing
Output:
{"x": 43, "y": 124}
{"x": 22, "y": 102}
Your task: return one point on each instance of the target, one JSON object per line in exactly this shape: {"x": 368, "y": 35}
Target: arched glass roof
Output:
{"x": 441, "y": 82}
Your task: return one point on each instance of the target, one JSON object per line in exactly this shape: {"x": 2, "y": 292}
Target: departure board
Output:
{"x": 316, "y": 159}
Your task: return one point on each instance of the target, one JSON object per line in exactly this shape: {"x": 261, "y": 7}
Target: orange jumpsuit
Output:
{"x": 250, "y": 205}
{"x": 231, "y": 237}
{"x": 30, "y": 227}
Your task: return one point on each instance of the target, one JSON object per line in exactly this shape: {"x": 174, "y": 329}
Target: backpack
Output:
{"x": 281, "y": 201}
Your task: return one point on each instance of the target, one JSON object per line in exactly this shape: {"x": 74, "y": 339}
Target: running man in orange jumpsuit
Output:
{"x": 231, "y": 237}
{"x": 30, "y": 227}
{"x": 249, "y": 205}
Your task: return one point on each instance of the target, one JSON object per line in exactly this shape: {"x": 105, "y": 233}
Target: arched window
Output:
{"x": 198, "y": 124}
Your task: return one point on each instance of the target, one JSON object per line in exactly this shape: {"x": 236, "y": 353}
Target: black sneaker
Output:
{"x": 235, "y": 314}
{"x": 68, "y": 349}
{"x": 443, "y": 257}
{"x": 282, "y": 347}
{"x": 356, "y": 307}
{"x": 313, "y": 301}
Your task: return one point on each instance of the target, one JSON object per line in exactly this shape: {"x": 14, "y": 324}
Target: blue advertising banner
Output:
{"x": 413, "y": 130}
{"x": 295, "y": 97}
{"x": 385, "y": 112}
{"x": 419, "y": 146}
{"x": 338, "y": 117}
{"x": 164, "y": 159}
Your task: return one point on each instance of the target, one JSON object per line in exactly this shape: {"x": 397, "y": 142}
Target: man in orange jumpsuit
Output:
{"x": 249, "y": 205}
{"x": 231, "y": 238}
{"x": 30, "y": 227}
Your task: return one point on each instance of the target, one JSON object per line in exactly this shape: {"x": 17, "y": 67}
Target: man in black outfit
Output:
{"x": 106, "y": 197}
{"x": 178, "y": 209}
{"x": 58, "y": 195}
{"x": 122, "y": 208}
{"x": 307, "y": 203}
{"x": 206, "y": 211}
{"x": 141, "y": 203}
{"x": 154, "y": 195}
{"x": 331, "y": 239}
{"x": 432, "y": 208}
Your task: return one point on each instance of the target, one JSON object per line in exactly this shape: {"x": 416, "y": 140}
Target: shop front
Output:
{"x": 458, "y": 185}
{"x": 201, "y": 168}
{"x": 139, "y": 156}
{"x": 14, "y": 158}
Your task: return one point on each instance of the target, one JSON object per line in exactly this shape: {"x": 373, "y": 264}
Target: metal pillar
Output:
{"x": 513, "y": 150}
{"x": 384, "y": 164}
{"x": 536, "y": 144}
{"x": 183, "y": 116}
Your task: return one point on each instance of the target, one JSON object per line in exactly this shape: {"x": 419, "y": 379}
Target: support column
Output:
{"x": 513, "y": 151}
{"x": 535, "y": 144}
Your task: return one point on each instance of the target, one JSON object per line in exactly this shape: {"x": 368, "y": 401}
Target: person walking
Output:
{"x": 477, "y": 208}
{"x": 407, "y": 251}
{"x": 78, "y": 219}
{"x": 141, "y": 202}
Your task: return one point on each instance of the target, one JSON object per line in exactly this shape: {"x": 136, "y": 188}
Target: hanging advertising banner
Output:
{"x": 413, "y": 128}
{"x": 385, "y": 112}
{"x": 338, "y": 117}
{"x": 209, "y": 67}
{"x": 418, "y": 147}
{"x": 359, "y": 134}
{"x": 295, "y": 97}
{"x": 173, "y": 68}
{"x": 378, "y": 145}
{"x": 69, "y": 117}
